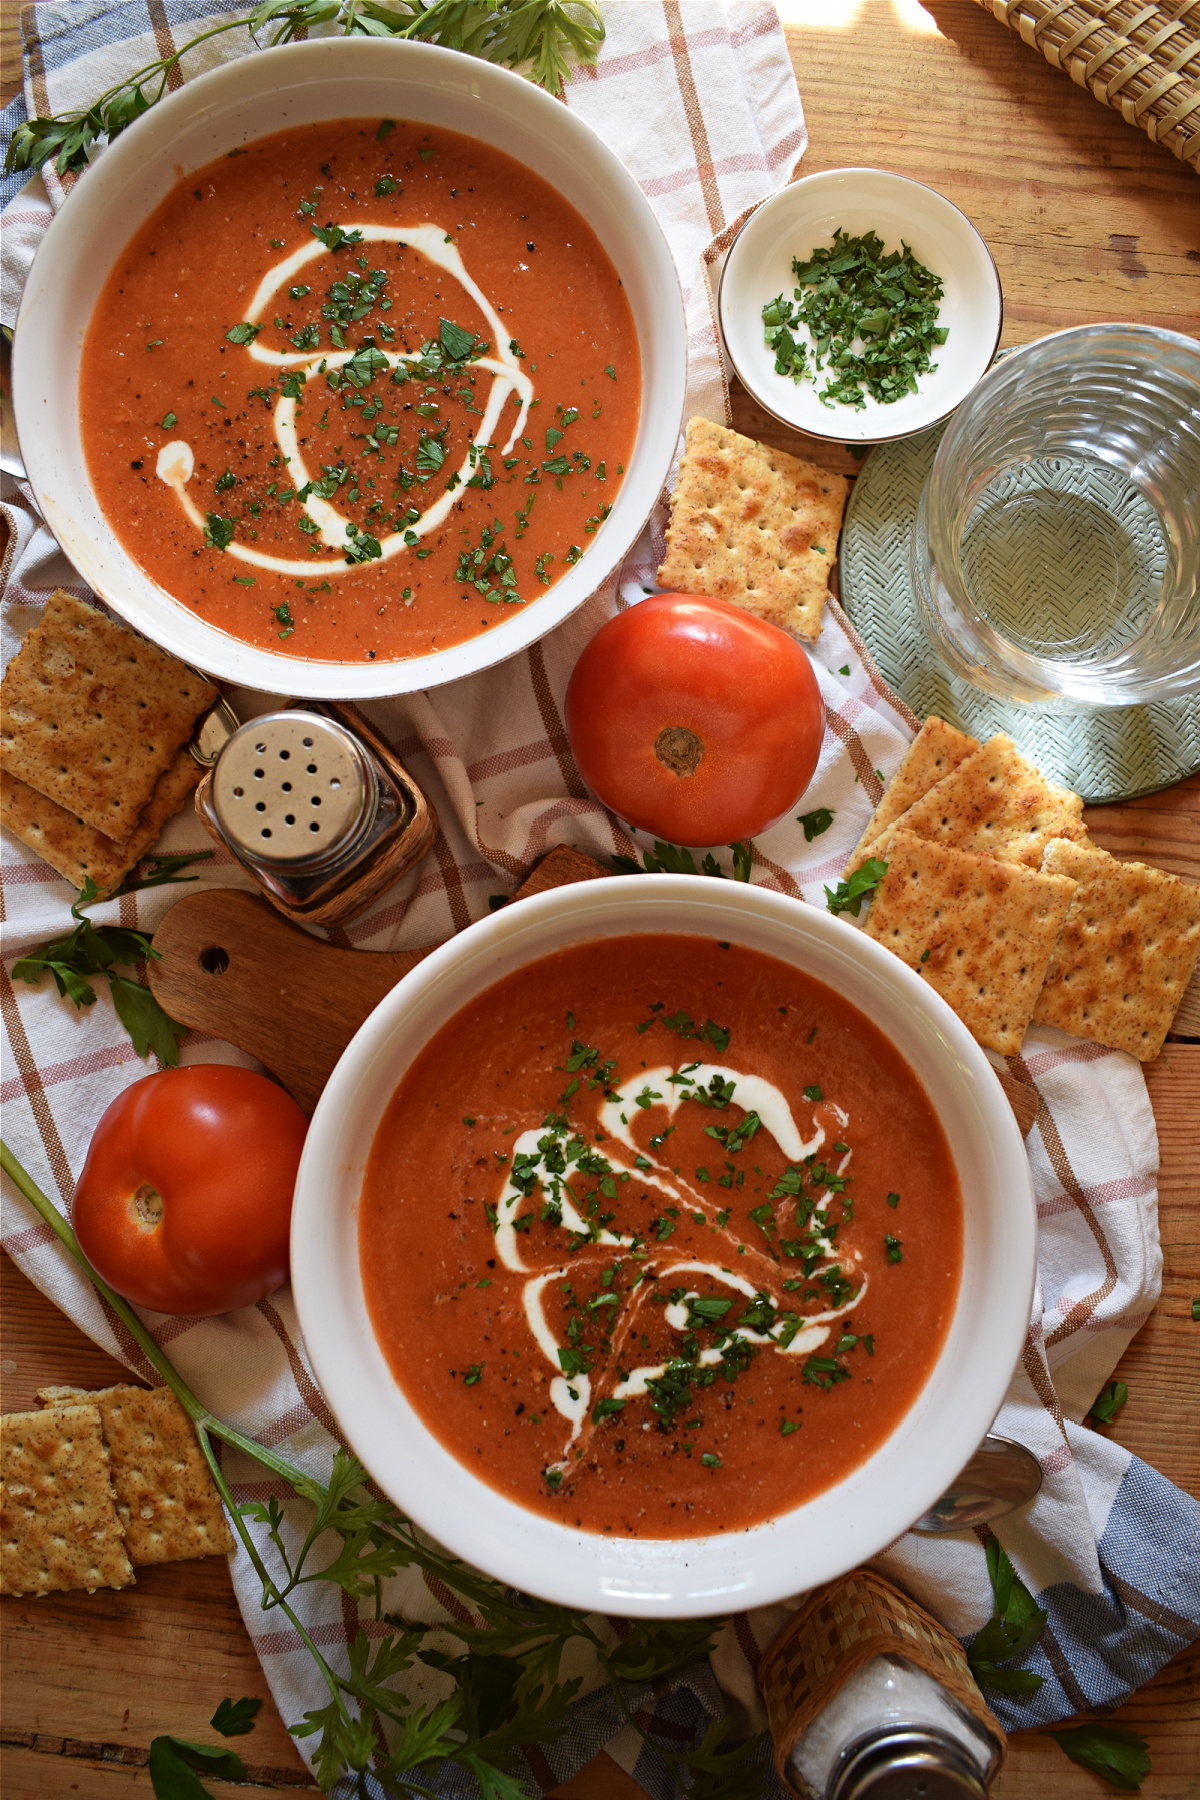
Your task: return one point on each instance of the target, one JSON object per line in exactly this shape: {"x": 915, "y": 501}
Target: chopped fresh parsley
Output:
{"x": 335, "y": 237}
{"x": 871, "y": 319}
{"x": 893, "y": 1248}
{"x": 242, "y": 333}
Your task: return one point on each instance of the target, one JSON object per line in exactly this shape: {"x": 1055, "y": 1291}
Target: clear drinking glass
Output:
{"x": 1056, "y": 556}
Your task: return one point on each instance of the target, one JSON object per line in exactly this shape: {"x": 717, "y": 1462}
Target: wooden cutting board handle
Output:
{"x": 233, "y": 968}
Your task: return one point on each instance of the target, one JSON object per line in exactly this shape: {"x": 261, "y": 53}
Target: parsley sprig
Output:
{"x": 1013, "y": 1629}
{"x": 90, "y": 951}
{"x": 535, "y": 35}
{"x": 871, "y": 316}
{"x": 849, "y": 895}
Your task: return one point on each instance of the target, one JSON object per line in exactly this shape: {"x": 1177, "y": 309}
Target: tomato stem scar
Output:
{"x": 148, "y": 1204}
{"x": 679, "y": 750}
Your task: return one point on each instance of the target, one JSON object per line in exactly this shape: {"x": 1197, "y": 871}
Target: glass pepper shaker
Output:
{"x": 318, "y": 809}
{"x": 870, "y": 1698}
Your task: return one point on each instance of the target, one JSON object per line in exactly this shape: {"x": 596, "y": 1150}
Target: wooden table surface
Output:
{"x": 1086, "y": 220}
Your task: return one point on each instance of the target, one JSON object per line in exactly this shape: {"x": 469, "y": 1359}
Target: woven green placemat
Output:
{"x": 1104, "y": 755}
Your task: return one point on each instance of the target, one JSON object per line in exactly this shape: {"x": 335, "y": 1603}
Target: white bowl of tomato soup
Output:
{"x": 663, "y": 1247}
{"x": 351, "y": 368}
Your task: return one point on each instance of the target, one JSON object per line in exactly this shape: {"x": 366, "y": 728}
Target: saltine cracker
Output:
{"x": 165, "y": 1496}
{"x": 936, "y": 750}
{"x": 979, "y": 931}
{"x": 753, "y": 526}
{"x": 79, "y": 852}
{"x": 58, "y": 1518}
{"x": 93, "y": 714}
{"x": 1127, "y": 951}
{"x": 995, "y": 804}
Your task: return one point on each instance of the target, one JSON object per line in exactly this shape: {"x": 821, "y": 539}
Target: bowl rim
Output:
{"x": 826, "y": 176}
{"x": 673, "y": 1578}
{"x": 232, "y": 88}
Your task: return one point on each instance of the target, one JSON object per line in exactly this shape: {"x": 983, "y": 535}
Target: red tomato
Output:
{"x": 695, "y": 720}
{"x": 185, "y": 1199}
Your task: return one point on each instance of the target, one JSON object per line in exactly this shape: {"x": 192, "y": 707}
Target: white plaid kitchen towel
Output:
{"x": 700, "y": 101}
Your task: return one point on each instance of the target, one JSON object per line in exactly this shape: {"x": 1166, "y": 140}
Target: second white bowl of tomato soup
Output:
{"x": 352, "y": 368}
{"x": 663, "y": 1248}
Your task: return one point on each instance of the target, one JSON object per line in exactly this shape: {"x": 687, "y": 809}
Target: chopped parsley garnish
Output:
{"x": 871, "y": 317}
{"x": 242, "y": 334}
{"x": 219, "y": 531}
{"x": 892, "y": 1245}
{"x": 473, "y": 1374}
{"x": 335, "y": 237}
{"x": 169, "y": 421}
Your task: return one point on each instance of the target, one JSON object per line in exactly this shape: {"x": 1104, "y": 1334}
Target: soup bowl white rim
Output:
{"x": 249, "y": 98}
{"x": 804, "y": 215}
{"x": 651, "y": 1577}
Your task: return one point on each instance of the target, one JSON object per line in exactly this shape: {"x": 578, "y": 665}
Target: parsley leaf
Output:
{"x": 848, "y": 896}
{"x": 1109, "y": 1402}
{"x": 1114, "y": 1752}
{"x": 234, "y": 1718}
{"x": 172, "y": 1761}
{"x": 242, "y": 333}
{"x": 459, "y": 345}
{"x": 815, "y": 823}
{"x": 149, "y": 1027}
{"x": 219, "y": 532}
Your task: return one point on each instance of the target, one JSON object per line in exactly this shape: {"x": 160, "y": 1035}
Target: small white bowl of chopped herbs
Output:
{"x": 859, "y": 306}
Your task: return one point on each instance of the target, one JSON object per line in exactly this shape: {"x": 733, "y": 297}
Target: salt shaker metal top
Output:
{"x": 870, "y": 1698}
{"x": 318, "y": 809}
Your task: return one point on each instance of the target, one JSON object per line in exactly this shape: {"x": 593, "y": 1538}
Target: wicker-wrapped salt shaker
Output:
{"x": 870, "y": 1698}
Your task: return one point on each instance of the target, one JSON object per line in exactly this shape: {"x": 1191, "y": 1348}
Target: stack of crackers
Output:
{"x": 98, "y": 1484}
{"x": 995, "y": 896}
{"x": 93, "y": 756}
{"x": 754, "y": 526}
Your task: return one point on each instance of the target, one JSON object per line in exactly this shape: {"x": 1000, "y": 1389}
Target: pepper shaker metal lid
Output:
{"x": 909, "y": 1765}
{"x": 294, "y": 788}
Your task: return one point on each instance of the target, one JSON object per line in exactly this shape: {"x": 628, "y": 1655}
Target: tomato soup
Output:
{"x": 359, "y": 389}
{"x": 660, "y": 1236}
